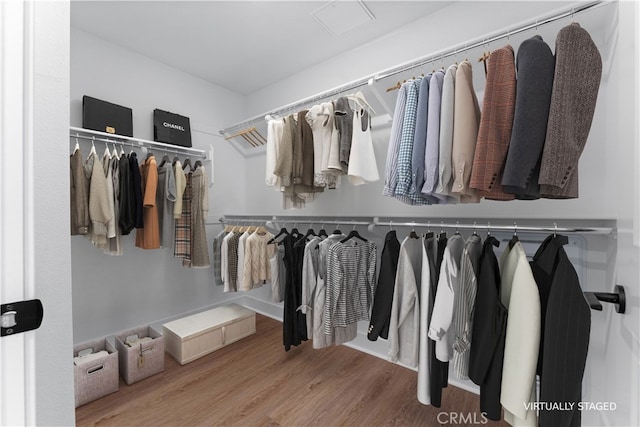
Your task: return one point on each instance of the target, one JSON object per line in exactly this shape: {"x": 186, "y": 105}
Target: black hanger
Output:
{"x": 196, "y": 164}
{"x": 353, "y": 233}
{"x": 282, "y": 232}
{"x": 175, "y": 159}
{"x": 322, "y": 233}
{"x": 414, "y": 235}
{"x": 337, "y": 231}
{"x": 187, "y": 162}
{"x": 295, "y": 233}
{"x": 514, "y": 239}
{"x": 165, "y": 159}
{"x": 149, "y": 155}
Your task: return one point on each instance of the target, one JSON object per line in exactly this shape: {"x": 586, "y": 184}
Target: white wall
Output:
{"x": 115, "y": 293}
{"x": 54, "y": 374}
{"x": 607, "y": 170}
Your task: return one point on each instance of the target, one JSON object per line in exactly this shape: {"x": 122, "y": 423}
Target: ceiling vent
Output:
{"x": 340, "y": 17}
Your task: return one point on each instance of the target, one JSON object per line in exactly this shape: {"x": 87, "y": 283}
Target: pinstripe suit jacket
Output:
{"x": 563, "y": 349}
{"x": 495, "y": 125}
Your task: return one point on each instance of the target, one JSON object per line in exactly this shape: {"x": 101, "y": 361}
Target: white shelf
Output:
{"x": 93, "y": 135}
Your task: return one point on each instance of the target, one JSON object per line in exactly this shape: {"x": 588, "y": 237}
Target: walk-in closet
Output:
{"x": 296, "y": 213}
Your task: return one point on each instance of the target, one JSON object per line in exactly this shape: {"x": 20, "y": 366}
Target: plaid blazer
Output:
{"x": 496, "y": 121}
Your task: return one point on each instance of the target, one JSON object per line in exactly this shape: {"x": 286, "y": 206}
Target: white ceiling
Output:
{"x": 241, "y": 45}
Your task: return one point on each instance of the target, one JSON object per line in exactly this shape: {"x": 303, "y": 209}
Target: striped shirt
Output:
{"x": 351, "y": 270}
{"x": 405, "y": 151}
{"x": 464, "y": 305}
{"x": 394, "y": 144}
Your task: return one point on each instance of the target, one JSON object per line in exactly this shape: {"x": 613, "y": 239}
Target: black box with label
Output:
{"x": 104, "y": 116}
{"x": 171, "y": 128}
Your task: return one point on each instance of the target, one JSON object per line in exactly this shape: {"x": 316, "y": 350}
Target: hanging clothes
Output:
{"x": 563, "y": 351}
{"x": 232, "y": 259}
{"x": 405, "y": 150}
{"x": 257, "y": 256}
{"x": 319, "y": 117}
{"x": 99, "y": 212}
{"x": 217, "y": 258}
{"x": 182, "y": 244}
{"x": 363, "y": 167}
{"x": 136, "y": 181}
{"x": 404, "y": 324}
{"x": 200, "y": 211}
{"x": 496, "y": 122}
{"x": 393, "y": 149}
{"x": 448, "y": 292}
{"x": 108, "y": 175}
{"x": 464, "y": 305}
{"x": 573, "y": 100}
{"x": 224, "y": 262}
{"x": 274, "y": 139}
{"x": 165, "y": 198}
{"x": 351, "y": 269}
{"x": 445, "y": 142}
{"x": 535, "y": 66}
{"x": 309, "y": 281}
{"x": 181, "y": 186}
{"x": 381, "y": 311}
{"x": 242, "y": 284}
{"x": 426, "y": 307}
{"x": 338, "y": 335}
{"x": 432, "y": 151}
{"x": 466, "y": 121}
{"x": 294, "y": 321}
{"x": 126, "y": 219}
{"x": 79, "y": 183}
{"x": 148, "y": 237}
{"x": 420, "y": 145}
{"x": 522, "y": 340}
{"x": 343, "y": 116}
{"x": 489, "y": 328}
{"x": 115, "y": 243}
{"x": 278, "y": 274}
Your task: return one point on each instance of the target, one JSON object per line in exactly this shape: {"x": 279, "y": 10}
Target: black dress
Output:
{"x": 294, "y": 324}
{"x": 439, "y": 371}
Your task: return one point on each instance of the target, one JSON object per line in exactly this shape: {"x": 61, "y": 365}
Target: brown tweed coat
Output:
{"x": 573, "y": 101}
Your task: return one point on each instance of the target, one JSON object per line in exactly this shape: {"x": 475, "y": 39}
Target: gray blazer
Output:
{"x": 535, "y": 66}
{"x": 573, "y": 101}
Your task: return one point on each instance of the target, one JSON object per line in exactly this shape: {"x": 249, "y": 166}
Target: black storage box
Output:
{"x": 171, "y": 128}
{"x": 106, "y": 117}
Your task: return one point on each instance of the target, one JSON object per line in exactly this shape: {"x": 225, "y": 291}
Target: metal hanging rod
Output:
{"x": 107, "y": 138}
{"x": 496, "y": 227}
{"x": 441, "y": 55}
{"x": 402, "y": 222}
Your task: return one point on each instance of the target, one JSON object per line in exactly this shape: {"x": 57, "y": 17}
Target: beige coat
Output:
{"x": 466, "y": 120}
{"x": 520, "y": 295}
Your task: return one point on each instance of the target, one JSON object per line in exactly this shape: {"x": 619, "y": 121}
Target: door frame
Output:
{"x": 17, "y": 352}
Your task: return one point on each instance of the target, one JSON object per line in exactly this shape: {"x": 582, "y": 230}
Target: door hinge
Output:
{"x": 20, "y": 316}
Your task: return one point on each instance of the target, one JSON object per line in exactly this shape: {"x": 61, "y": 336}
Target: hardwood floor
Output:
{"x": 254, "y": 382}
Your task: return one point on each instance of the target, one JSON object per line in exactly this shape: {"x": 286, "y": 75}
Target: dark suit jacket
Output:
{"x": 566, "y": 327}
{"x": 489, "y": 331}
{"x": 535, "y": 64}
{"x": 381, "y": 311}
